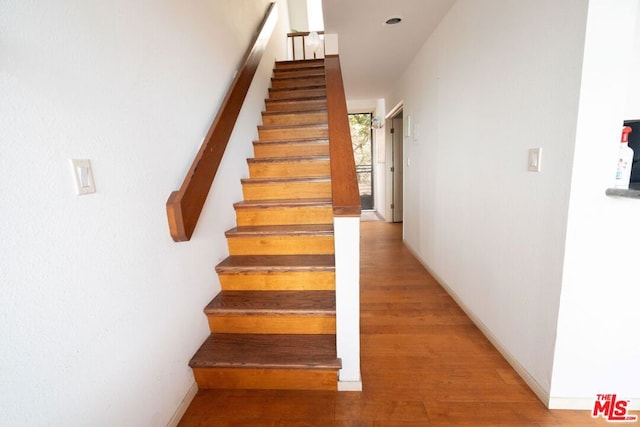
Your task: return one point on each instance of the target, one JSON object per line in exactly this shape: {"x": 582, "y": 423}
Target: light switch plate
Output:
{"x": 83, "y": 176}
{"x": 535, "y": 157}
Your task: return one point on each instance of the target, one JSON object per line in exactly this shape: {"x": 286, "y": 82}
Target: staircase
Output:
{"x": 273, "y": 325}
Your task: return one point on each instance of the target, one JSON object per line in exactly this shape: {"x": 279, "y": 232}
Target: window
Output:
{"x": 362, "y": 152}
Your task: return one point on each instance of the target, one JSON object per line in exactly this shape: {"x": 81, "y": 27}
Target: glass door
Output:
{"x": 363, "y": 153}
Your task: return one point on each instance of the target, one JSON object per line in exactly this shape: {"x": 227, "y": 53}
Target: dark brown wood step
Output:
{"x": 277, "y": 273}
{"x": 289, "y": 132}
{"x": 281, "y": 230}
{"x": 284, "y": 212}
{"x": 295, "y": 148}
{"x": 289, "y": 167}
{"x": 298, "y": 93}
{"x": 297, "y": 82}
{"x": 273, "y": 312}
{"x": 269, "y": 351}
{"x": 299, "y": 72}
{"x": 276, "y": 263}
{"x": 250, "y": 204}
{"x": 289, "y": 239}
{"x": 280, "y": 118}
{"x": 291, "y": 159}
{"x": 250, "y": 181}
{"x": 249, "y": 303}
{"x": 290, "y": 188}
{"x": 308, "y": 63}
{"x": 288, "y": 127}
{"x": 296, "y": 104}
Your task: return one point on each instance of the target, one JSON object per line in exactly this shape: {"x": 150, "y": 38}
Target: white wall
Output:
{"x": 597, "y": 348}
{"x": 298, "y": 16}
{"x": 101, "y": 310}
{"x": 491, "y": 231}
{"x": 632, "y": 109}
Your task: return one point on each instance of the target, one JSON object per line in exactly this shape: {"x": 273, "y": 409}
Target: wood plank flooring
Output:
{"x": 423, "y": 364}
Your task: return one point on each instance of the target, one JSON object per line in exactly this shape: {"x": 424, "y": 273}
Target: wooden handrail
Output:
{"x": 344, "y": 183}
{"x": 303, "y": 33}
{"x": 185, "y": 205}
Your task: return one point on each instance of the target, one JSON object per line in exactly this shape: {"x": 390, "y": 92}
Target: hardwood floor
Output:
{"x": 423, "y": 364}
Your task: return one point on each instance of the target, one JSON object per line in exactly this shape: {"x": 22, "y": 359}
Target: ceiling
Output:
{"x": 374, "y": 55}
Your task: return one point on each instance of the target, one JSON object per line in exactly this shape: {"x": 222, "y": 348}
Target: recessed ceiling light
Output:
{"x": 393, "y": 21}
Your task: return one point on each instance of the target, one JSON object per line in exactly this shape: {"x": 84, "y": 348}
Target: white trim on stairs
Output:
{"x": 182, "y": 408}
{"x": 349, "y": 385}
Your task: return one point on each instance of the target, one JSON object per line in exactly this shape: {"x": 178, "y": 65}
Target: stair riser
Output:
{"x": 297, "y": 93}
{"x": 285, "y": 281}
{"x": 284, "y": 215}
{"x": 266, "y": 379}
{"x": 294, "y": 119}
{"x": 294, "y": 149}
{"x": 281, "y": 245}
{"x": 303, "y": 105}
{"x": 284, "y": 133}
{"x": 272, "y": 324}
{"x": 302, "y": 72}
{"x": 293, "y": 190}
{"x": 293, "y": 65}
{"x": 318, "y": 168}
{"x": 297, "y": 82}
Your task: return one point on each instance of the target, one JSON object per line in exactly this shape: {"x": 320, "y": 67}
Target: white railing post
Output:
{"x": 347, "y": 246}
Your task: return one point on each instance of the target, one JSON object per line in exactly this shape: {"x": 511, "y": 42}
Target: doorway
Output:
{"x": 360, "y": 125}
{"x": 397, "y": 163}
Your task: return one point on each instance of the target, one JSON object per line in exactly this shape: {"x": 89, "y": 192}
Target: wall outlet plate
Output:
{"x": 83, "y": 176}
{"x": 535, "y": 157}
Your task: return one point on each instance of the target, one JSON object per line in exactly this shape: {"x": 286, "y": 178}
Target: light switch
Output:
{"x": 83, "y": 176}
{"x": 534, "y": 159}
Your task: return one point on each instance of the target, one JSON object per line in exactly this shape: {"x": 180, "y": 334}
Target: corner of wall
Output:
{"x": 183, "y": 406}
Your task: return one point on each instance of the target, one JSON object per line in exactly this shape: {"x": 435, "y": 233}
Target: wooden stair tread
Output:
{"x": 308, "y": 71}
{"x": 290, "y": 230}
{"x": 275, "y": 351}
{"x": 305, "y": 126}
{"x": 316, "y": 85}
{"x": 301, "y": 62}
{"x": 298, "y": 92}
{"x": 283, "y": 85}
{"x": 294, "y": 100}
{"x": 294, "y": 141}
{"x": 282, "y": 203}
{"x": 248, "y": 303}
{"x": 290, "y": 113}
{"x": 295, "y": 104}
{"x": 285, "y": 180}
{"x": 276, "y": 263}
{"x": 290, "y": 159}
{"x": 298, "y": 67}
{"x": 313, "y": 77}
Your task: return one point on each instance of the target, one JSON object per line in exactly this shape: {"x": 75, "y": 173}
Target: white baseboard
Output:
{"x": 524, "y": 374}
{"x": 182, "y": 408}
{"x": 349, "y": 385}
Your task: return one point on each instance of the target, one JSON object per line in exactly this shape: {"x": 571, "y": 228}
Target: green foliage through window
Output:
{"x": 361, "y": 140}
